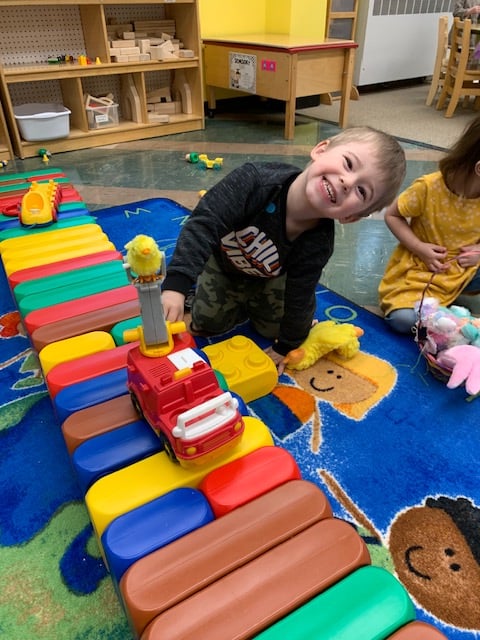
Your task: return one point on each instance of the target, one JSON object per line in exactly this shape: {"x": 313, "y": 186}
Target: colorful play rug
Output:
{"x": 394, "y": 450}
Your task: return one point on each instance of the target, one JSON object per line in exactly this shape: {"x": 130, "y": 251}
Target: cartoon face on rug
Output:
{"x": 436, "y": 553}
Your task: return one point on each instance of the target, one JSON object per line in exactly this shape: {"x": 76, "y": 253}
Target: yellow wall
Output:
{"x": 302, "y": 18}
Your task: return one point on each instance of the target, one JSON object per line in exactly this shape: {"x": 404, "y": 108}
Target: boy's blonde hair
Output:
{"x": 389, "y": 160}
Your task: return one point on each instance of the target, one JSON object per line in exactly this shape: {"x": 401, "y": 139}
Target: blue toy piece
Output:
{"x": 153, "y": 525}
{"x": 85, "y": 394}
{"x": 113, "y": 450}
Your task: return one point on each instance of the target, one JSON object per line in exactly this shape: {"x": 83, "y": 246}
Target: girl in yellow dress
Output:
{"x": 437, "y": 223}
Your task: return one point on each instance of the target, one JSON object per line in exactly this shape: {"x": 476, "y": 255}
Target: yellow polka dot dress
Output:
{"x": 440, "y": 217}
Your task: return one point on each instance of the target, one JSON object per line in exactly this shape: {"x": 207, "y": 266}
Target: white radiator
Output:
{"x": 397, "y": 39}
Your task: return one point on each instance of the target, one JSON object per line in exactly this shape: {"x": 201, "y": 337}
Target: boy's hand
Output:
{"x": 173, "y": 305}
{"x": 277, "y": 358}
{"x": 469, "y": 255}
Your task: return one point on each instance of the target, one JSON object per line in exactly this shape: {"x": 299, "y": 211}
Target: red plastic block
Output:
{"x": 52, "y": 268}
{"x": 267, "y": 588}
{"x": 97, "y": 320}
{"x": 418, "y": 631}
{"x": 244, "y": 479}
{"x": 70, "y": 309}
{"x": 66, "y": 373}
{"x": 96, "y": 420}
{"x": 169, "y": 575}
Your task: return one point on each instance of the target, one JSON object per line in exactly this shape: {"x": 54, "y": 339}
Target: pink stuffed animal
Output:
{"x": 464, "y": 361}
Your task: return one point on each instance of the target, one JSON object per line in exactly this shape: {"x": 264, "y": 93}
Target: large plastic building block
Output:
{"x": 72, "y": 348}
{"x": 118, "y": 331}
{"x": 71, "y": 309}
{"x": 90, "y": 392}
{"x": 170, "y": 575}
{"x": 418, "y": 630}
{"x": 76, "y": 278}
{"x": 113, "y": 450}
{"x": 247, "y": 368}
{"x": 62, "y": 266}
{"x": 96, "y": 320}
{"x": 152, "y": 526}
{"x": 75, "y": 291}
{"x": 267, "y": 588}
{"x": 368, "y": 604}
{"x": 48, "y": 237}
{"x": 132, "y": 486}
{"x": 97, "y": 419}
{"x": 90, "y": 366}
{"x": 244, "y": 479}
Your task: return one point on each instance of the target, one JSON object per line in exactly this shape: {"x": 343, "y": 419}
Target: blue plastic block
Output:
{"x": 153, "y": 525}
{"x": 114, "y": 450}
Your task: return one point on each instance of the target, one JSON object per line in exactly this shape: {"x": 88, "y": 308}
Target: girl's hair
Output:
{"x": 461, "y": 159}
{"x": 389, "y": 161}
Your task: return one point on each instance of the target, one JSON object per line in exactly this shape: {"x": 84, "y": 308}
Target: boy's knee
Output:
{"x": 402, "y": 320}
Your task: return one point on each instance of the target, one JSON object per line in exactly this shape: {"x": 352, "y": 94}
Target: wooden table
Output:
{"x": 280, "y": 67}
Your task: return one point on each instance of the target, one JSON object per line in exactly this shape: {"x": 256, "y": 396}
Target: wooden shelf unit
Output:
{"x": 70, "y": 80}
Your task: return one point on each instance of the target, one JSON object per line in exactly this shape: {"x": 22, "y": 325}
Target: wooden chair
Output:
{"x": 441, "y": 59}
{"x": 460, "y": 81}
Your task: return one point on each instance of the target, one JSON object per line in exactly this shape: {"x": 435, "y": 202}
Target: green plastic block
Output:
{"x": 369, "y": 604}
{"x": 18, "y": 232}
{"x": 118, "y": 329}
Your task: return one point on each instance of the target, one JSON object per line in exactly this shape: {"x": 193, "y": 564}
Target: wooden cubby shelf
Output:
{"x": 82, "y": 28}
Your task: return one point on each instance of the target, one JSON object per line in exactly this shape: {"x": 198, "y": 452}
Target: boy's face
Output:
{"x": 342, "y": 180}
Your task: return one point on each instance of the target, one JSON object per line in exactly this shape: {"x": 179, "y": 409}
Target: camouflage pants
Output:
{"x": 221, "y": 302}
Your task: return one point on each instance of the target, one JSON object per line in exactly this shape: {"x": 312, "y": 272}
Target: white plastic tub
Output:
{"x": 38, "y": 121}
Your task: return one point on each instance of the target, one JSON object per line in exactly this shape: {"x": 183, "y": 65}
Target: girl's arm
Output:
{"x": 432, "y": 255}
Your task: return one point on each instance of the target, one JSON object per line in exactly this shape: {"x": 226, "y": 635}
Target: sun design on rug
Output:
{"x": 353, "y": 387}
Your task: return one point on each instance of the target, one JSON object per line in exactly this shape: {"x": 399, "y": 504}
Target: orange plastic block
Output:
{"x": 247, "y": 368}
{"x": 96, "y": 420}
{"x": 72, "y": 348}
{"x": 418, "y": 630}
{"x": 244, "y": 479}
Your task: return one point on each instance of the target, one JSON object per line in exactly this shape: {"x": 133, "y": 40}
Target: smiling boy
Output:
{"x": 256, "y": 243}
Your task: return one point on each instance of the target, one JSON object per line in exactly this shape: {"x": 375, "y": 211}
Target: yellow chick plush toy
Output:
{"x": 323, "y": 338}
{"x": 143, "y": 256}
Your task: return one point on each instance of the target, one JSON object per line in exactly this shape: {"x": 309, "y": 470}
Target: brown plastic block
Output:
{"x": 418, "y": 631}
{"x": 168, "y": 576}
{"x": 256, "y": 595}
{"x": 97, "y": 419}
{"x": 97, "y": 320}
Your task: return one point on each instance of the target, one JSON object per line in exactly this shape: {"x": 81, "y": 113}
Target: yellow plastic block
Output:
{"x": 137, "y": 484}
{"x": 84, "y": 248}
{"x": 48, "y": 238}
{"x": 73, "y": 348}
{"x": 246, "y": 368}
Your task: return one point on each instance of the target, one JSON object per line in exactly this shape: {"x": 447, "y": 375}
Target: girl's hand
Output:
{"x": 433, "y": 256}
{"x": 469, "y": 255}
{"x": 277, "y": 359}
{"x": 173, "y": 305}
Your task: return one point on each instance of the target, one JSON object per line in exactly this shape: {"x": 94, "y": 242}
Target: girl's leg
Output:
{"x": 218, "y": 304}
{"x": 402, "y": 320}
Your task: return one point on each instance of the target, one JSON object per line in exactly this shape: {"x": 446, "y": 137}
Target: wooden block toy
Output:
{"x": 172, "y": 574}
{"x": 90, "y": 366}
{"x": 90, "y": 392}
{"x": 80, "y": 248}
{"x": 267, "y": 588}
{"x": 152, "y": 526}
{"x": 113, "y": 450}
{"x": 369, "y": 603}
{"x": 62, "y": 266}
{"x": 96, "y": 320}
{"x": 47, "y": 286}
{"x": 246, "y": 367}
{"x": 418, "y": 630}
{"x": 97, "y": 419}
{"x": 71, "y": 309}
{"x": 75, "y": 347}
{"x": 83, "y": 288}
{"x": 244, "y": 479}
{"x": 132, "y": 486}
